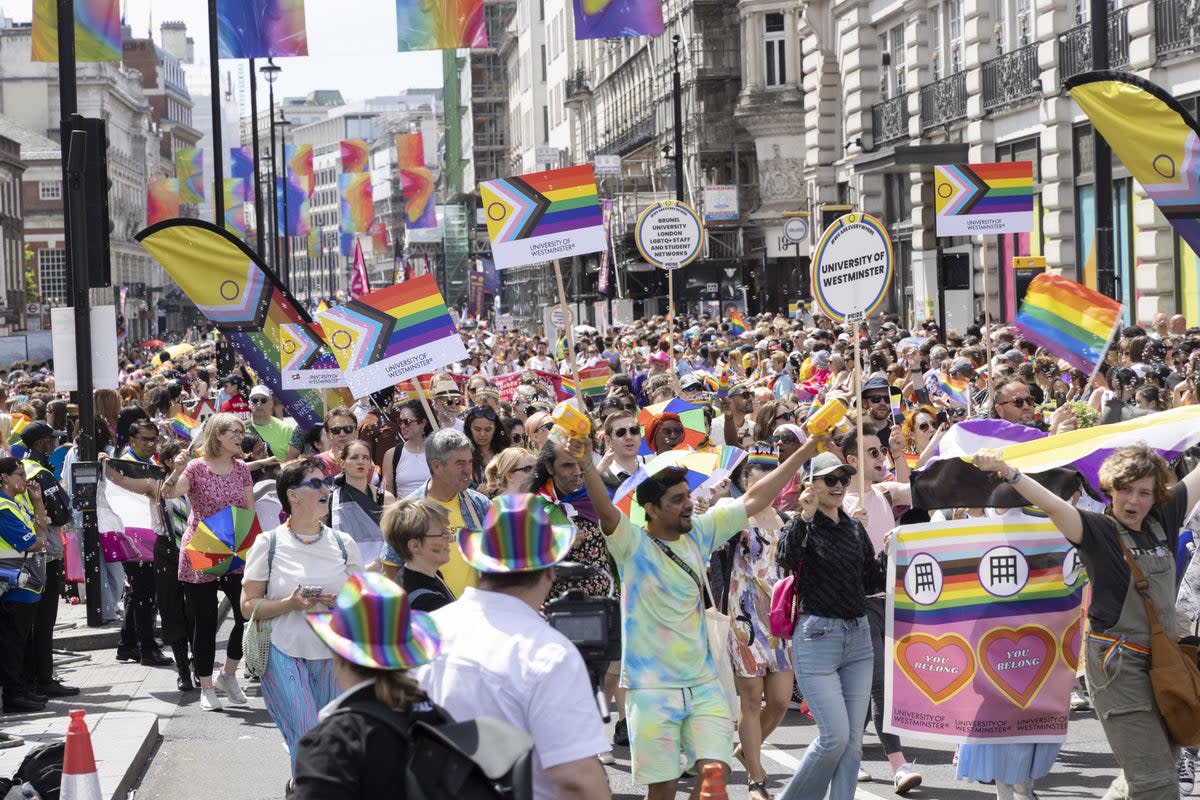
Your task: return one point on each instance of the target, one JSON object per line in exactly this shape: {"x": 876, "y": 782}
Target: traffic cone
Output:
{"x": 713, "y": 785}
{"x": 80, "y": 780}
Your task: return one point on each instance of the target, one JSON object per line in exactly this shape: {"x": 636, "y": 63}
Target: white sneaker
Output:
{"x": 863, "y": 775}
{"x": 209, "y": 701}
{"x": 1185, "y": 770}
{"x": 907, "y": 779}
{"x": 229, "y": 685}
{"x": 1080, "y": 701}
{"x": 606, "y": 758}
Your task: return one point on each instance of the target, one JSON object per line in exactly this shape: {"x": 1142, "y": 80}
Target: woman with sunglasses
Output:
{"x": 488, "y": 437}
{"x": 922, "y": 432}
{"x": 836, "y": 568}
{"x": 771, "y": 416}
{"x": 508, "y": 472}
{"x": 355, "y": 506}
{"x": 215, "y": 481}
{"x": 404, "y": 467}
{"x": 298, "y": 567}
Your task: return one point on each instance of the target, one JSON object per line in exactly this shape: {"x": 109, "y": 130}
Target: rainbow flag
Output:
{"x": 594, "y": 380}
{"x": 184, "y": 426}
{"x": 416, "y": 181}
{"x": 445, "y": 25}
{"x": 235, "y": 209}
{"x": 189, "y": 170}
{"x": 971, "y": 199}
{"x": 957, "y": 390}
{"x": 355, "y": 156}
{"x": 737, "y": 323}
{"x": 358, "y": 206}
{"x": 391, "y": 334}
{"x": 543, "y": 216}
{"x": 300, "y": 163}
{"x": 97, "y": 30}
{"x": 162, "y": 199}
{"x": 1070, "y": 320}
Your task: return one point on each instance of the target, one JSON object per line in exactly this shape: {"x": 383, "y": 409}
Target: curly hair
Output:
{"x": 495, "y": 474}
{"x": 1132, "y": 463}
{"x": 910, "y": 420}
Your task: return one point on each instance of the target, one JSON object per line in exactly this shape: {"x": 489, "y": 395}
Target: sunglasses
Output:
{"x": 1019, "y": 402}
{"x": 259, "y": 401}
{"x": 341, "y": 430}
{"x": 876, "y": 452}
{"x": 516, "y": 438}
{"x": 835, "y": 480}
{"x": 405, "y": 422}
{"x": 316, "y": 483}
{"x": 546, "y": 427}
{"x": 484, "y": 412}
{"x": 450, "y": 398}
{"x": 785, "y": 439}
{"x": 525, "y": 469}
{"x": 632, "y": 430}
{"x": 924, "y": 426}
{"x": 787, "y": 415}
{"x": 671, "y": 432}
{"x": 877, "y": 398}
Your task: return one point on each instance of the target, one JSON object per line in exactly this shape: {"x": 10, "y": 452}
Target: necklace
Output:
{"x": 306, "y": 539}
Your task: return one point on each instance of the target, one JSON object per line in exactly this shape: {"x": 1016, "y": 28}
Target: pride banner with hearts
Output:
{"x": 983, "y": 630}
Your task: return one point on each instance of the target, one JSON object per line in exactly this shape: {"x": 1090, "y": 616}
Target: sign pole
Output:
{"x": 566, "y": 315}
{"x": 987, "y": 327}
{"x": 862, "y": 473}
{"x": 425, "y": 402}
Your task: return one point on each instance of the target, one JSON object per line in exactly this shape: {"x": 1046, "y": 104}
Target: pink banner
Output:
{"x": 507, "y": 384}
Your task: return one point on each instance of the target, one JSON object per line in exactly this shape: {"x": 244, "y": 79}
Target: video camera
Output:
{"x": 592, "y": 624}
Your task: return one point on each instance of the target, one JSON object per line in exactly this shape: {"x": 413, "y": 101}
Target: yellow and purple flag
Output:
{"x": 189, "y": 170}
{"x": 97, "y": 30}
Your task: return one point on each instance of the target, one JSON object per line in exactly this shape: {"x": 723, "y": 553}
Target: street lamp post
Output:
{"x": 271, "y": 72}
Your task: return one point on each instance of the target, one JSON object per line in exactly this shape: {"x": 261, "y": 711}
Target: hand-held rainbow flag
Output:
{"x": 184, "y": 426}
{"x": 737, "y": 323}
{"x": 392, "y": 334}
{"x": 444, "y": 25}
{"x": 543, "y": 216}
{"x": 973, "y": 199}
{"x": 261, "y": 28}
{"x": 97, "y": 30}
{"x": 1070, "y": 320}
{"x": 954, "y": 388}
{"x": 594, "y": 380}
{"x": 607, "y": 19}
{"x": 305, "y": 359}
{"x": 1155, "y": 137}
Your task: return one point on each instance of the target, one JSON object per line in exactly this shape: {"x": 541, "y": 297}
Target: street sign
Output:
{"x": 547, "y": 156}
{"x": 607, "y": 164}
{"x": 852, "y": 267}
{"x": 796, "y": 229}
{"x": 32, "y": 309}
{"x": 669, "y": 234}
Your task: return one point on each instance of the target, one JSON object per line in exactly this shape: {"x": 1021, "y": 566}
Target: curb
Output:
{"x": 82, "y": 639}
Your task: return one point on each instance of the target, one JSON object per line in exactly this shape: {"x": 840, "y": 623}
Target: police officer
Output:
{"x": 23, "y": 524}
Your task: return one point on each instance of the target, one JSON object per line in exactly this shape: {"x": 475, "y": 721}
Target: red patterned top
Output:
{"x": 207, "y": 494}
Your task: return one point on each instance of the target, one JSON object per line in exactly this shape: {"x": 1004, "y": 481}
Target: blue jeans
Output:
{"x": 833, "y": 663}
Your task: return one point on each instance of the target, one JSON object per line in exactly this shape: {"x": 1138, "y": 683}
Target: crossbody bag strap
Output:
{"x": 267, "y": 588}
{"x": 1139, "y": 580}
{"x": 706, "y": 594}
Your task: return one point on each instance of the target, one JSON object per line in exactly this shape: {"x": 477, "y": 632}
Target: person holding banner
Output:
{"x": 1141, "y": 525}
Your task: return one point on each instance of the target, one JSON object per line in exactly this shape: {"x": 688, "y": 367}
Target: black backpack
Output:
{"x": 42, "y": 769}
{"x": 480, "y": 759}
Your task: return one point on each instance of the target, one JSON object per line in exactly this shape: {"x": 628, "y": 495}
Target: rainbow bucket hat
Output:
{"x": 521, "y": 533}
{"x": 373, "y": 626}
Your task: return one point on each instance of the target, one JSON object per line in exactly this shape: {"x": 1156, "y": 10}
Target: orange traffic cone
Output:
{"x": 713, "y": 785}
{"x": 80, "y": 780}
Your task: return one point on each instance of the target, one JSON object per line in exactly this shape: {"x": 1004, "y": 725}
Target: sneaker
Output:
{"x": 209, "y": 701}
{"x": 1185, "y": 770}
{"x": 229, "y": 686}
{"x": 907, "y": 779}
{"x": 606, "y": 758}
{"x": 621, "y": 733}
{"x": 1080, "y": 701}
{"x": 863, "y": 776}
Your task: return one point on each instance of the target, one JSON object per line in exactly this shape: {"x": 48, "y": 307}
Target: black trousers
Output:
{"x": 202, "y": 599}
{"x": 39, "y": 660}
{"x": 16, "y": 627}
{"x": 177, "y": 626}
{"x": 137, "y": 630}
{"x": 876, "y": 609}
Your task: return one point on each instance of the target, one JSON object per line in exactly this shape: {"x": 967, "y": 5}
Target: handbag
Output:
{"x": 716, "y": 627}
{"x": 1174, "y": 676}
{"x": 782, "y": 617}
{"x": 256, "y": 640}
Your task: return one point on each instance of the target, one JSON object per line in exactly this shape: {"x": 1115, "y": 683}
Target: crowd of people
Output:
{"x": 410, "y": 541}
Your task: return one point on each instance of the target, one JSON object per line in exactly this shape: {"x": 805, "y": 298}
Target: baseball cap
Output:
{"x": 36, "y": 431}
{"x": 962, "y": 366}
{"x": 826, "y": 463}
{"x": 260, "y": 391}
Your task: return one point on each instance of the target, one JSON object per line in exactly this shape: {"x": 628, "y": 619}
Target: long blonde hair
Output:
{"x": 495, "y": 474}
{"x": 209, "y": 445}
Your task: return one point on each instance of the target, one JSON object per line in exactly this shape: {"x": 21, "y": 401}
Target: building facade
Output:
{"x": 12, "y": 235}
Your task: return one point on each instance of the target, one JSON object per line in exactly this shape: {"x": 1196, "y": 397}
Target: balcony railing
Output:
{"x": 1075, "y": 46}
{"x": 635, "y": 135}
{"x": 889, "y": 120}
{"x": 944, "y": 101}
{"x": 578, "y": 85}
{"x": 1011, "y": 79}
{"x": 1176, "y": 26}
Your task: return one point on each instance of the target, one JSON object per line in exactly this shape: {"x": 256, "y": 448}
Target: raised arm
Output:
{"x": 608, "y": 514}
{"x": 762, "y": 494}
{"x": 1064, "y": 515}
{"x": 1192, "y": 482}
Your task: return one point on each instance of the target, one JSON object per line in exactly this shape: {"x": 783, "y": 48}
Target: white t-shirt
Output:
{"x": 500, "y": 659}
{"x": 298, "y": 564}
{"x": 412, "y": 470}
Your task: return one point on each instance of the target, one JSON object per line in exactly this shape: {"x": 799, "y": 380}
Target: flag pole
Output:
{"x": 987, "y": 338}
{"x": 1112, "y": 334}
{"x": 862, "y": 472}
{"x": 425, "y": 402}
{"x": 566, "y": 315}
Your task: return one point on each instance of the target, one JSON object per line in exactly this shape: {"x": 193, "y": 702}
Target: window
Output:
{"x": 946, "y": 38}
{"x": 52, "y": 276}
{"x": 776, "y": 52}
{"x": 892, "y": 73}
{"x": 543, "y": 52}
{"x": 49, "y": 190}
{"x": 1014, "y": 25}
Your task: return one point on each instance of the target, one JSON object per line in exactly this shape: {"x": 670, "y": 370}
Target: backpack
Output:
{"x": 42, "y": 769}
{"x": 480, "y": 759}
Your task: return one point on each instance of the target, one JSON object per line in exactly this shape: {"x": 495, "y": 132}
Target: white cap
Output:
{"x": 260, "y": 391}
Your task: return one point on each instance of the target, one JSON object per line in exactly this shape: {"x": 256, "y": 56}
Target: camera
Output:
{"x": 592, "y": 624}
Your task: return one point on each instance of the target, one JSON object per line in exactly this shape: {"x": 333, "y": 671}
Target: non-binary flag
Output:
{"x": 543, "y": 216}
{"x": 358, "y": 205}
{"x": 392, "y": 334}
{"x": 607, "y": 19}
{"x": 416, "y": 181}
{"x": 162, "y": 200}
{"x": 1070, "y": 320}
{"x": 356, "y": 156}
{"x": 97, "y": 31}
{"x": 444, "y": 25}
{"x": 261, "y": 28}
{"x": 189, "y": 171}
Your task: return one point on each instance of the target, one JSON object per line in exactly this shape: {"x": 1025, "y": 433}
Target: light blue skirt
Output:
{"x": 1010, "y": 763}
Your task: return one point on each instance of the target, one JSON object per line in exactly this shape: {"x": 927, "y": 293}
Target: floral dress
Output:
{"x": 752, "y": 648}
{"x": 207, "y": 494}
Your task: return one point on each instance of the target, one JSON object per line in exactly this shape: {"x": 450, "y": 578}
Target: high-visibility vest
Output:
{"x": 23, "y": 511}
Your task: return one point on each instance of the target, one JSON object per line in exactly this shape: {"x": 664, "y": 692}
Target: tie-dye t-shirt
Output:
{"x": 663, "y": 644}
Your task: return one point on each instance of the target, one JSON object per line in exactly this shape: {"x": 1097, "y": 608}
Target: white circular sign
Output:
{"x": 852, "y": 267}
{"x": 795, "y": 229}
{"x": 669, "y": 234}
{"x": 556, "y": 317}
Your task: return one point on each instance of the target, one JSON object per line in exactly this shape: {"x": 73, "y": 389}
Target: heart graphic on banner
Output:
{"x": 939, "y": 666}
{"x": 1071, "y": 644}
{"x": 1018, "y": 660}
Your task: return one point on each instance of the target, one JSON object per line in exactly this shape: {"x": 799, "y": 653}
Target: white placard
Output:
{"x": 607, "y": 164}
{"x": 104, "y": 348}
{"x": 669, "y": 234}
{"x": 852, "y": 267}
{"x": 720, "y": 202}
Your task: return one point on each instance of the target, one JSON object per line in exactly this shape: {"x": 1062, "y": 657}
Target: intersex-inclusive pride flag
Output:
{"x": 305, "y": 359}
{"x": 392, "y": 334}
{"x": 416, "y": 181}
{"x": 241, "y": 165}
{"x": 300, "y": 163}
{"x": 973, "y": 199}
{"x": 356, "y": 156}
{"x": 543, "y": 215}
{"x": 189, "y": 171}
{"x": 1070, "y": 320}
{"x": 606, "y": 19}
{"x": 442, "y": 25}
{"x": 261, "y": 28}
{"x": 984, "y": 628}
{"x": 162, "y": 199}
{"x": 97, "y": 30}
{"x": 358, "y": 206}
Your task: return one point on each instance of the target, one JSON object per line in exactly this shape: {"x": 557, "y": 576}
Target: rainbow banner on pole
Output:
{"x": 162, "y": 199}
{"x": 356, "y": 156}
{"x": 235, "y": 208}
{"x": 189, "y": 171}
{"x": 358, "y": 206}
{"x": 1070, "y": 320}
{"x": 543, "y": 216}
{"x": 97, "y": 31}
{"x": 607, "y": 19}
{"x": 444, "y": 25}
{"x": 261, "y": 28}
{"x": 974, "y": 199}
{"x": 985, "y": 628}
{"x": 305, "y": 359}
{"x": 299, "y": 159}
{"x": 416, "y": 181}
{"x": 241, "y": 165}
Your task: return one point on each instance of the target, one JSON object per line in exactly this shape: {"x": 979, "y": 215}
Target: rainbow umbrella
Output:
{"x": 221, "y": 542}
{"x": 702, "y": 467}
{"x": 692, "y": 417}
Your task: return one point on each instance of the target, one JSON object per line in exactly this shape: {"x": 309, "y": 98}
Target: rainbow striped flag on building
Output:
{"x": 1070, "y": 320}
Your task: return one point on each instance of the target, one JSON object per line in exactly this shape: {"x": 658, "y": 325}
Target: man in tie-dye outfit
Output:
{"x": 675, "y": 703}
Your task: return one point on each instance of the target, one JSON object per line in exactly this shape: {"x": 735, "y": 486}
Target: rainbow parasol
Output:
{"x": 692, "y": 417}
{"x": 221, "y": 542}
{"x": 702, "y": 467}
